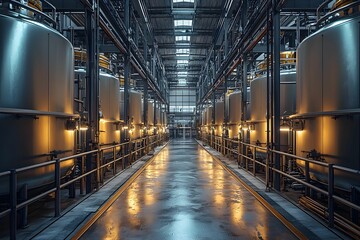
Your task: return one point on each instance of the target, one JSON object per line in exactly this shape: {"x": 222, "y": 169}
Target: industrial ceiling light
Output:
{"x": 70, "y": 124}
{"x": 285, "y": 126}
{"x": 297, "y": 125}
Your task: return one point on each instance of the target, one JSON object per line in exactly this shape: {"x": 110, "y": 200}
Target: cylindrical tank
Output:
{"x": 209, "y": 111}
{"x": 203, "y": 117}
{"x": 328, "y": 83}
{"x": 135, "y": 112}
{"x": 151, "y": 113}
{"x": 109, "y": 104}
{"x": 219, "y": 117}
{"x": 157, "y": 112}
{"x": 234, "y": 108}
{"x": 36, "y": 79}
{"x": 258, "y": 96}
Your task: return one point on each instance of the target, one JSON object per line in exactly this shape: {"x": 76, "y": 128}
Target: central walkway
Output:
{"x": 185, "y": 194}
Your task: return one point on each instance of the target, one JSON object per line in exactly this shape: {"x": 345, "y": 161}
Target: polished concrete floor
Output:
{"x": 184, "y": 194}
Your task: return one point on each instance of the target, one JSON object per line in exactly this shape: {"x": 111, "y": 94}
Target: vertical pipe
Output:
{"x": 92, "y": 87}
{"x": 298, "y": 33}
{"x": 127, "y": 78}
{"x": 276, "y": 84}
{"x": 155, "y": 117}
{"x": 268, "y": 26}
{"x": 145, "y": 106}
{"x": 226, "y": 40}
{"x": 226, "y": 113}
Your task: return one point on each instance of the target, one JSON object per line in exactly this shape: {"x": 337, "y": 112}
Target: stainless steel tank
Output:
{"x": 209, "y": 111}
{"x": 109, "y": 105}
{"x": 110, "y": 108}
{"x": 203, "y": 117}
{"x": 328, "y": 83}
{"x": 157, "y": 113}
{"x": 234, "y": 108}
{"x": 258, "y": 105}
{"x": 151, "y": 112}
{"x": 36, "y": 81}
{"x": 219, "y": 117}
{"x": 135, "y": 112}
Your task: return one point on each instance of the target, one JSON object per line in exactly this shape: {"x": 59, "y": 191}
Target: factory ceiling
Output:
{"x": 184, "y": 31}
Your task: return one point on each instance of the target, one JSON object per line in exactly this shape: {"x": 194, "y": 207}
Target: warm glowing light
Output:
{"x": 284, "y": 128}
{"x": 84, "y": 128}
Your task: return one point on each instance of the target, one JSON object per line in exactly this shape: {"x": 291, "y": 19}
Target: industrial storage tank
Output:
{"x": 36, "y": 100}
{"x": 219, "y": 117}
{"x": 109, "y": 101}
{"x": 135, "y": 112}
{"x": 151, "y": 112}
{"x": 203, "y": 117}
{"x": 157, "y": 115}
{"x": 258, "y": 88}
{"x": 234, "y": 108}
{"x": 327, "y": 98}
{"x": 209, "y": 111}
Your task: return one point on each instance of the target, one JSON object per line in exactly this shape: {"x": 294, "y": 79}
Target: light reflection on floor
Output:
{"x": 184, "y": 194}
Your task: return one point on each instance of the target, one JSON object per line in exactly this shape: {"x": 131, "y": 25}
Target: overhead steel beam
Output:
{"x": 191, "y": 57}
{"x": 251, "y": 36}
{"x": 191, "y": 46}
{"x": 198, "y": 12}
{"x": 189, "y": 32}
{"x": 300, "y": 6}
{"x": 65, "y": 6}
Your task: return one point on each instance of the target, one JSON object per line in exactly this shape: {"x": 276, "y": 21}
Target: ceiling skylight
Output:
{"x": 182, "y": 38}
{"x": 183, "y": 22}
{"x": 188, "y": 1}
{"x": 182, "y": 61}
{"x": 182, "y": 74}
{"x": 183, "y": 51}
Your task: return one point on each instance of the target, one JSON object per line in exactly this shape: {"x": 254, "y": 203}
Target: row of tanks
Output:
{"x": 321, "y": 95}
{"x": 39, "y": 83}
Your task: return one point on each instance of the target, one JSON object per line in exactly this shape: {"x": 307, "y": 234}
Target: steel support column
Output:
{"x": 226, "y": 113}
{"x": 127, "y": 69}
{"x": 92, "y": 87}
{"x": 155, "y": 118}
{"x": 268, "y": 121}
{"x": 145, "y": 113}
{"x": 276, "y": 87}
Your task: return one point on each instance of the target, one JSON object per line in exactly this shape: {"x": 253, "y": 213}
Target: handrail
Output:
{"x": 332, "y": 16}
{"x": 40, "y": 13}
{"x": 221, "y": 144}
{"x": 148, "y": 141}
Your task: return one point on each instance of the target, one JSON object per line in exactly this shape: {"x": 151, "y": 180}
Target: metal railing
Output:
{"x": 246, "y": 156}
{"x": 126, "y": 153}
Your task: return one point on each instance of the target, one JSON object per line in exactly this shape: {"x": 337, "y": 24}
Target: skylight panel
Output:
{"x": 183, "y": 74}
{"x": 182, "y": 61}
{"x": 187, "y": 1}
{"x": 183, "y": 51}
{"x": 182, "y": 38}
{"x": 183, "y": 22}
